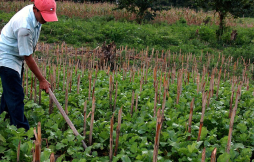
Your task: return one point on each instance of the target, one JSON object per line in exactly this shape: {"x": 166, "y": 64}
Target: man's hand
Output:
{"x": 45, "y": 85}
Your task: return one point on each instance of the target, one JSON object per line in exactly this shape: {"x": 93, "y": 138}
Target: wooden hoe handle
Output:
{"x": 51, "y": 94}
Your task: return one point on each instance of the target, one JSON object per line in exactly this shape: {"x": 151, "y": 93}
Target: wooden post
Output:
{"x": 136, "y": 108}
{"x": 35, "y": 90}
{"x": 218, "y": 86}
{"x": 58, "y": 74}
{"x": 203, "y": 113}
{"x": 203, "y": 78}
{"x": 141, "y": 83}
{"x": 155, "y": 100}
{"x": 146, "y": 72}
{"x": 85, "y": 107}
{"x": 163, "y": 103}
{"x": 37, "y": 151}
{"x": 115, "y": 97}
{"x": 118, "y": 130}
{"x": 91, "y": 124}
{"x": 159, "y": 92}
{"x": 31, "y": 90}
{"x": 52, "y": 157}
{"x": 53, "y": 78}
{"x": 50, "y": 99}
{"x": 64, "y": 76}
{"x": 26, "y": 80}
{"x": 111, "y": 138}
{"x": 231, "y": 99}
{"x": 39, "y": 132}
{"x": 210, "y": 94}
{"x": 154, "y": 76}
{"x": 132, "y": 101}
{"x": 157, "y": 137}
{"x": 94, "y": 82}
{"x": 198, "y": 82}
{"x": 179, "y": 85}
{"x": 66, "y": 93}
{"x": 203, "y": 155}
{"x": 173, "y": 74}
{"x": 131, "y": 73}
{"x": 18, "y": 152}
{"x": 78, "y": 84}
{"x": 190, "y": 117}
{"x": 90, "y": 81}
{"x": 110, "y": 93}
{"x": 70, "y": 77}
{"x": 238, "y": 95}
{"x": 213, "y": 156}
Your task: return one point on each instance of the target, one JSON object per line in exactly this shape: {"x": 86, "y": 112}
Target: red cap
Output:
{"x": 47, "y": 9}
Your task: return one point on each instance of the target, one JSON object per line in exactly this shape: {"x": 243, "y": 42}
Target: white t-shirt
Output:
{"x": 19, "y": 38}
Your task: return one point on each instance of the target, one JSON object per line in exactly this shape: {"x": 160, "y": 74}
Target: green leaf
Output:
{"x": 163, "y": 144}
{"x": 79, "y": 138}
{"x": 125, "y": 158}
{"x": 2, "y": 149}
{"x": 59, "y": 146}
{"x": 192, "y": 147}
{"x": 98, "y": 145}
{"x": 70, "y": 137}
{"x": 198, "y": 144}
{"x": 174, "y": 144}
{"x": 24, "y": 147}
{"x": 134, "y": 147}
{"x": 204, "y": 132}
{"x": 30, "y": 133}
{"x": 242, "y": 127}
{"x": 94, "y": 153}
{"x": 224, "y": 141}
{"x": 2, "y": 138}
{"x": 223, "y": 157}
{"x": 30, "y": 104}
{"x": 60, "y": 158}
{"x": 141, "y": 131}
{"x": 238, "y": 145}
{"x": 45, "y": 154}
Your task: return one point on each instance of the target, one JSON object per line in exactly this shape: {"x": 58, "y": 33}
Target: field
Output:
{"x": 145, "y": 104}
{"x": 129, "y": 103}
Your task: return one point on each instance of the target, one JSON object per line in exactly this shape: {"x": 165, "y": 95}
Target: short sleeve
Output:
{"x": 25, "y": 42}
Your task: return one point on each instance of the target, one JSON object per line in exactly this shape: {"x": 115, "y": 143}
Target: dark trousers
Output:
{"x": 12, "y": 99}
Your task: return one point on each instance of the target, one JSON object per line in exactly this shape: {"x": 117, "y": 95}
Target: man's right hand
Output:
{"x": 45, "y": 85}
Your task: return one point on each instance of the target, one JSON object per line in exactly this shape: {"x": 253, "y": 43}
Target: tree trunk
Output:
{"x": 221, "y": 25}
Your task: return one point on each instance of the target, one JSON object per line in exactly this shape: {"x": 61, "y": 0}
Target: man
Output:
{"x": 18, "y": 40}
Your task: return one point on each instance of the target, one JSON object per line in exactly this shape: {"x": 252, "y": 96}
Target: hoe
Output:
{"x": 51, "y": 94}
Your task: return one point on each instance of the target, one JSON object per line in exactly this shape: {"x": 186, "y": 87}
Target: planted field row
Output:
{"x": 136, "y": 107}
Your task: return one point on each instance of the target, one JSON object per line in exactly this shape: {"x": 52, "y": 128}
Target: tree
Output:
{"x": 144, "y": 9}
{"x": 223, "y": 7}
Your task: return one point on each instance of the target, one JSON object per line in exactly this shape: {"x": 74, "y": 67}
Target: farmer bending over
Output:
{"x": 18, "y": 40}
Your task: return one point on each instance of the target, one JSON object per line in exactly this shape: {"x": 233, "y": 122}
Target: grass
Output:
{"x": 183, "y": 31}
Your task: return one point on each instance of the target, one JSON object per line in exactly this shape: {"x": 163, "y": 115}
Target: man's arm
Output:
{"x": 44, "y": 84}
{"x": 25, "y": 44}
